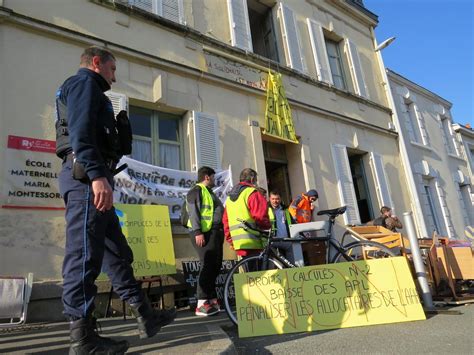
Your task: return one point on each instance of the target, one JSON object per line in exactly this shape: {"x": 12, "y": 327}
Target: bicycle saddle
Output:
{"x": 334, "y": 212}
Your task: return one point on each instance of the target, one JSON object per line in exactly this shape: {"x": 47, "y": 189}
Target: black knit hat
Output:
{"x": 312, "y": 193}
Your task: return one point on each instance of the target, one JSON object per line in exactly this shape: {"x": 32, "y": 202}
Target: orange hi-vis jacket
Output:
{"x": 300, "y": 209}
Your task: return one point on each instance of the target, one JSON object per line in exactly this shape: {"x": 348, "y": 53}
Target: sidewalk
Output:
{"x": 188, "y": 334}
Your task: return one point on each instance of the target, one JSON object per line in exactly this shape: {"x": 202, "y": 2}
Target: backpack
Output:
{"x": 184, "y": 219}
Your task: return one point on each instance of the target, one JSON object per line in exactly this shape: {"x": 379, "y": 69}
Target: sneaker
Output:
{"x": 215, "y": 303}
{"x": 206, "y": 309}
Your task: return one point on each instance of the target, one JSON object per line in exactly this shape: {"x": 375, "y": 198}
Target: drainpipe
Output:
{"x": 420, "y": 221}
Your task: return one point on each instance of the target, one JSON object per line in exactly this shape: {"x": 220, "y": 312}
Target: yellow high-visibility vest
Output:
{"x": 242, "y": 239}
{"x": 207, "y": 209}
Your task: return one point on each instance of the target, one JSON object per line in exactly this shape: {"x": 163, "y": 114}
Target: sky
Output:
{"x": 434, "y": 47}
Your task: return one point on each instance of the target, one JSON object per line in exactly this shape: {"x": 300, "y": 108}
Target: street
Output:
{"x": 443, "y": 333}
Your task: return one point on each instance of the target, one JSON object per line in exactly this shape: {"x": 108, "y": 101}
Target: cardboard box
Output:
{"x": 314, "y": 253}
{"x": 460, "y": 260}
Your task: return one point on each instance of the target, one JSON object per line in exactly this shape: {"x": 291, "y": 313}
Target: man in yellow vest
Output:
{"x": 247, "y": 203}
{"x": 207, "y": 236}
{"x": 280, "y": 219}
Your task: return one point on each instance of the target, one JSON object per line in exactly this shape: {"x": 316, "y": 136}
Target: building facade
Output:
{"x": 193, "y": 76}
{"x": 465, "y": 136}
{"x": 440, "y": 167}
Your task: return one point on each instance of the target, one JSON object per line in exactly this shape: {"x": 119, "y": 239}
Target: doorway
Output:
{"x": 276, "y": 167}
{"x": 359, "y": 178}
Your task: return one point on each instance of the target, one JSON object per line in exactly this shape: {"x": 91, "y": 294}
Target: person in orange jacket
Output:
{"x": 301, "y": 208}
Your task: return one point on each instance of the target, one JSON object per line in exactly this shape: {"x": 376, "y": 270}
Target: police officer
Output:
{"x": 207, "y": 235}
{"x": 88, "y": 142}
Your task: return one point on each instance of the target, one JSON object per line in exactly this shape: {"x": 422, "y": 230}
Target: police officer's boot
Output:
{"x": 151, "y": 320}
{"x": 85, "y": 340}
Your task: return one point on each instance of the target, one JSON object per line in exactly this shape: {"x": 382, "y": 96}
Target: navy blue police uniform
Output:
{"x": 86, "y": 133}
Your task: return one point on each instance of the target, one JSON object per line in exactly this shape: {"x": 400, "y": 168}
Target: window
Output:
{"x": 345, "y": 184}
{"x": 467, "y": 199}
{"x": 169, "y": 9}
{"x": 335, "y": 63}
{"x": 431, "y": 215}
{"x": 262, "y": 30}
{"x": 156, "y": 137}
{"x": 449, "y": 137}
{"x": 357, "y": 73}
{"x": 414, "y": 122}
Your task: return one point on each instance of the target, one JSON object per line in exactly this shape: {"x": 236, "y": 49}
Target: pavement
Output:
{"x": 449, "y": 331}
{"x": 188, "y": 334}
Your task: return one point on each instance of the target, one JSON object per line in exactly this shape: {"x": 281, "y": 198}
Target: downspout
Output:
{"x": 415, "y": 201}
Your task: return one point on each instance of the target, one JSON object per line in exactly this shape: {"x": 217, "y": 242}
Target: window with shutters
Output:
{"x": 262, "y": 30}
{"x": 170, "y": 9}
{"x": 156, "y": 137}
{"x": 335, "y": 64}
{"x": 291, "y": 38}
{"x": 430, "y": 208}
{"x": 345, "y": 184}
{"x": 449, "y": 137}
{"x": 206, "y": 141}
{"x": 381, "y": 180}
{"x": 252, "y": 28}
{"x": 356, "y": 163}
{"x": 414, "y": 123}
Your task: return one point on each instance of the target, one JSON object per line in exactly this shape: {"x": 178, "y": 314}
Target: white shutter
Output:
{"x": 421, "y": 124}
{"x": 465, "y": 208}
{"x": 206, "y": 140}
{"x": 356, "y": 69}
{"x": 171, "y": 10}
{"x": 119, "y": 101}
{"x": 291, "y": 39}
{"x": 320, "y": 54}
{"x": 452, "y": 137}
{"x": 345, "y": 184}
{"x": 444, "y": 209}
{"x": 381, "y": 180}
{"x": 239, "y": 24}
{"x": 147, "y": 5}
{"x": 405, "y": 108}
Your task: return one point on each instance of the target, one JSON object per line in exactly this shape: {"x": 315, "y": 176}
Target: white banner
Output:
{"x": 146, "y": 184}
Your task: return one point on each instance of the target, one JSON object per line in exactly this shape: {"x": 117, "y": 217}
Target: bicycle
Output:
{"x": 270, "y": 257}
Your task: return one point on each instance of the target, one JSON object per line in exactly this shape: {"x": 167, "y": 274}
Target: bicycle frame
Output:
{"x": 271, "y": 252}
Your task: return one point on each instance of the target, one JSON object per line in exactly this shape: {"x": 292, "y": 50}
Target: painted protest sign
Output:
{"x": 148, "y": 232}
{"x": 330, "y": 296}
{"x": 146, "y": 184}
{"x": 191, "y": 273}
{"x": 31, "y": 174}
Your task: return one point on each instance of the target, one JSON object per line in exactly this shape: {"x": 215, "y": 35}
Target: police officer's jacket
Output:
{"x": 85, "y": 124}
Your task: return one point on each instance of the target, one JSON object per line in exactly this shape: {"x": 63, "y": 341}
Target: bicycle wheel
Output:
{"x": 363, "y": 250}
{"x": 250, "y": 264}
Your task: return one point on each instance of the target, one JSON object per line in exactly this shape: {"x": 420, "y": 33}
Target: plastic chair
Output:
{"x": 15, "y": 295}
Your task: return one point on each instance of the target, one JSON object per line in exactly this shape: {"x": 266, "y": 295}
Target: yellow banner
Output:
{"x": 278, "y": 120}
{"x": 148, "y": 232}
{"x": 330, "y": 296}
